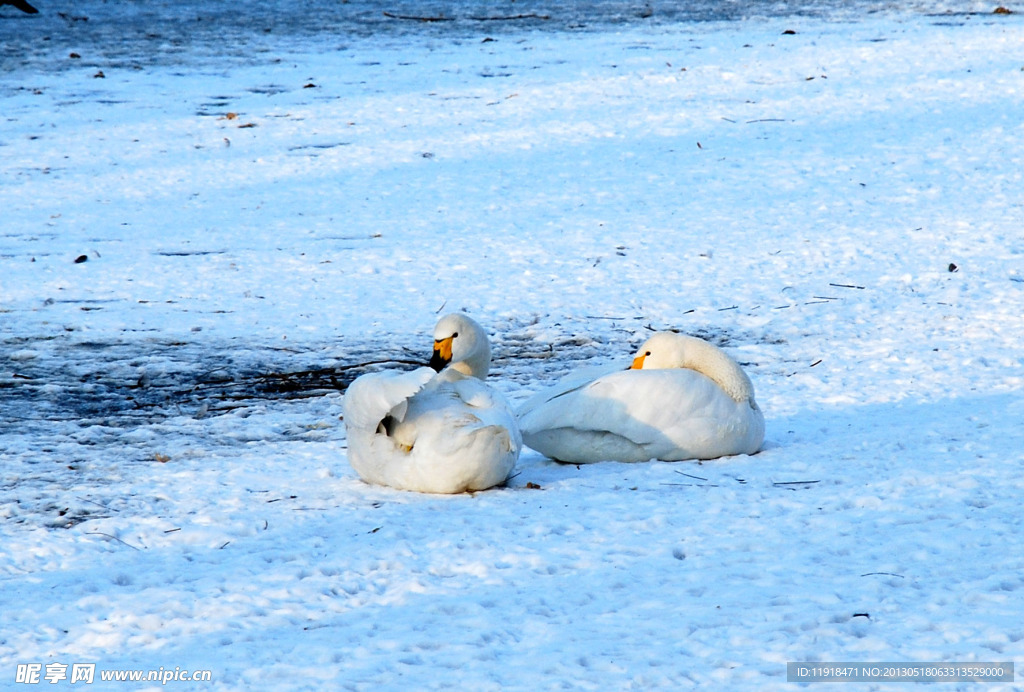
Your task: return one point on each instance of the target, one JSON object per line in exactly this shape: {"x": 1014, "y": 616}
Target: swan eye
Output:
{"x": 647, "y": 354}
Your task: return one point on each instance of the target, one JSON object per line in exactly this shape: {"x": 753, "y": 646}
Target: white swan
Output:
{"x": 683, "y": 398}
{"x": 444, "y": 432}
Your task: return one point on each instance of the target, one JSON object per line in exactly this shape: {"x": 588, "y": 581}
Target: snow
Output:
{"x": 839, "y": 207}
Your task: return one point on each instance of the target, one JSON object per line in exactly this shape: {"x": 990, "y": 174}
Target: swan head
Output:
{"x": 461, "y": 343}
{"x": 671, "y": 350}
{"x": 665, "y": 350}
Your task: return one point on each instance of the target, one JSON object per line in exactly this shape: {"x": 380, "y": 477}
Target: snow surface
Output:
{"x": 841, "y": 208}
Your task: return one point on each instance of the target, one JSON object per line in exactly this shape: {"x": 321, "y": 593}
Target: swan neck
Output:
{"x": 472, "y": 368}
{"x": 719, "y": 367}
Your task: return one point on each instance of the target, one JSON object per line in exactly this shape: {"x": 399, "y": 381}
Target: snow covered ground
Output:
{"x": 840, "y": 204}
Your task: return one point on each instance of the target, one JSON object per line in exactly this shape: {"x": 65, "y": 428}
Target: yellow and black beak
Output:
{"x": 442, "y": 354}
{"x": 638, "y": 362}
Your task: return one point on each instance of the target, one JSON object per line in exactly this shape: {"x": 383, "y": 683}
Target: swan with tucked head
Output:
{"x": 439, "y": 429}
{"x": 683, "y": 398}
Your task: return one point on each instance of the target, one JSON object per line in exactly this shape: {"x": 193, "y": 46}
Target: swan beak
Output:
{"x": 442, "y": 354}
{"x": 638, "y": 363}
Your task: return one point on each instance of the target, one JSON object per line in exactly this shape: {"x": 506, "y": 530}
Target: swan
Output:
{"x": 435, "y": 429}
{"x": 682, "y": 398}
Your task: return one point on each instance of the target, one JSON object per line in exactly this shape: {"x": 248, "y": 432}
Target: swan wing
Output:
{"x": 374, "y": 396}
{"x": 569, "y": 384}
